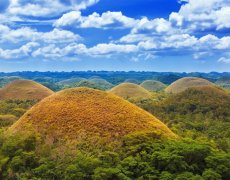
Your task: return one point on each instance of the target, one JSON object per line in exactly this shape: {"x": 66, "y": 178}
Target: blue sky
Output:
{"x": 141, "y": 35}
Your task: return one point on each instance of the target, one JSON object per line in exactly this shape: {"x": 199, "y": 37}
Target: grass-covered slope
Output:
{"x": 129, "y": 90}
{"x": 83, "y": 113}
{"x": 185, "y": 83}
{"x": 102, "y": 83}
{"x": 24, "y": 90}
{"x": 134, "y": 81}
{"x": 198, "y": 112}
{"x": 152, "y": 85}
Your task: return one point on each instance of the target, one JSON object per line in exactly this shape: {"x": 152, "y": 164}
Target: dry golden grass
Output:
{"x": 152, "y": 85}
{"x": 130, "y": 90}
{"x": 185, "y": 83}
{"x": 82, "y": 113}
{"x": 24, "y": 90}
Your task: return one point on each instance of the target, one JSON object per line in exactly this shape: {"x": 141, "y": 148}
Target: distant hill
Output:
{"x": 129, "y": 90}
{"x": 185, "y": 83}
{"x": 224, "y": 82}
{"x": 197, "y": 112}
{"x": 102, "y": 83}
{"x": 24, "y": 90}
{"x": 152, "y": 85}
{"x": 85, "y": 114}
{"x": 88, "y": 84}
{"x": 7, "y": 79}
{"x": 71, "y": 81}
{"x": 168, "y": 78}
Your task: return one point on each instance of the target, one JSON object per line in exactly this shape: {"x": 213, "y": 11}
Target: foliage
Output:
{"x": 12, "y": 110}
{"x": 86, "y": 114}
{"x": 140, "y": 157}
{"x": 198, "y": 113}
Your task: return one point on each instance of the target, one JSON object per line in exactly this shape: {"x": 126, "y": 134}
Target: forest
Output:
{"x": 200, "y": 118}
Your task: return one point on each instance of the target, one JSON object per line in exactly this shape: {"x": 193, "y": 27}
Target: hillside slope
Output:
{"x": 24, "y": 90}
{"x": 83, "y": 113}
{"x": 152, "y": 85}
{"x": 185, "y": 83}
{"x": 129, "y": 90}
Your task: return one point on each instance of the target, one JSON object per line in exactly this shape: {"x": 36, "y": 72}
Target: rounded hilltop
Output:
{"x": 185, "y": 83}
{"x": 152, "y": 85}
{"x": 83, "y": 113}
{"x": 210, "y": 101}
{"x": 130, "y": 90}
{"x": 24, "y": 90}
{"x": 71, "y": 81}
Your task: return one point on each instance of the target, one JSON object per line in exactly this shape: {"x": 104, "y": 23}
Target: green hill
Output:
{"x": 152, "y": 85}
{"x": 129, "y": 90}
{"x": 185, "y": 83}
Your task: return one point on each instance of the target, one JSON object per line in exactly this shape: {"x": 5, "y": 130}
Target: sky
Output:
{"x": 122, "y": 35}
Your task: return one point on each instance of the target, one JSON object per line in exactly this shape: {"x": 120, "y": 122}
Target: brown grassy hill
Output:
{"x": 83, "y": 113}
{"x": 24, "y": 90}
{"x": 129, "y": 90}
{"x": 185, "y": 83}
{"x": 152, "y": 85}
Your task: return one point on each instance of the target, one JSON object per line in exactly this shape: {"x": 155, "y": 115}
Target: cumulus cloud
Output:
{"x": 28, "y": 34}
{"x": 44, "y": 8}
{"x": 102, "y": 49}
{"x": 158, "y": 25}
{"x": 95, "y": 20}
{"x": 23, "y": 51}
{"x": 53, "y": 51}
{"x": 201, "y": 15}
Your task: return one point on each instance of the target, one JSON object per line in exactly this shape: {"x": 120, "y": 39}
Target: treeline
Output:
{"x": 12, "y": 110}
{"x": 139, "y": 157}
{"x": 200, "y": 115}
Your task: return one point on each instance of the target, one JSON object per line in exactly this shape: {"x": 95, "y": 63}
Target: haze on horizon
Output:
{"x": 150, "y": 35}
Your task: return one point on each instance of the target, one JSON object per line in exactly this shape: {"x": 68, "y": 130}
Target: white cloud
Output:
{"x": 203, "y": 14}
{"x": 132, "y": 38}
{"x": 224, "y": 60}
{"x": 212, "y": 42}
{"x": 73, "y": 50}
{"x": 102, "y": 49}
{"x": 21, "y": 52}
{"x": 53, "y": 51}
{"x": 69, "y": 19}
{"x": 60, "y": 36}
{"x": 27, "y": 34}
{"x": 158, "y": 25}
{"x": 95, "y": 20}
{"x": 44, "y": 8}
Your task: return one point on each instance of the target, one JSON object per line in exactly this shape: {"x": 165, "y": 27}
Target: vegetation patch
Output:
{"x": 84, "y": 114}
{"x": 24, "y": 90}
{"x": 152, "y": 85}
{"x": 129, "y": 90}
{"x": 185, "y": 83}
